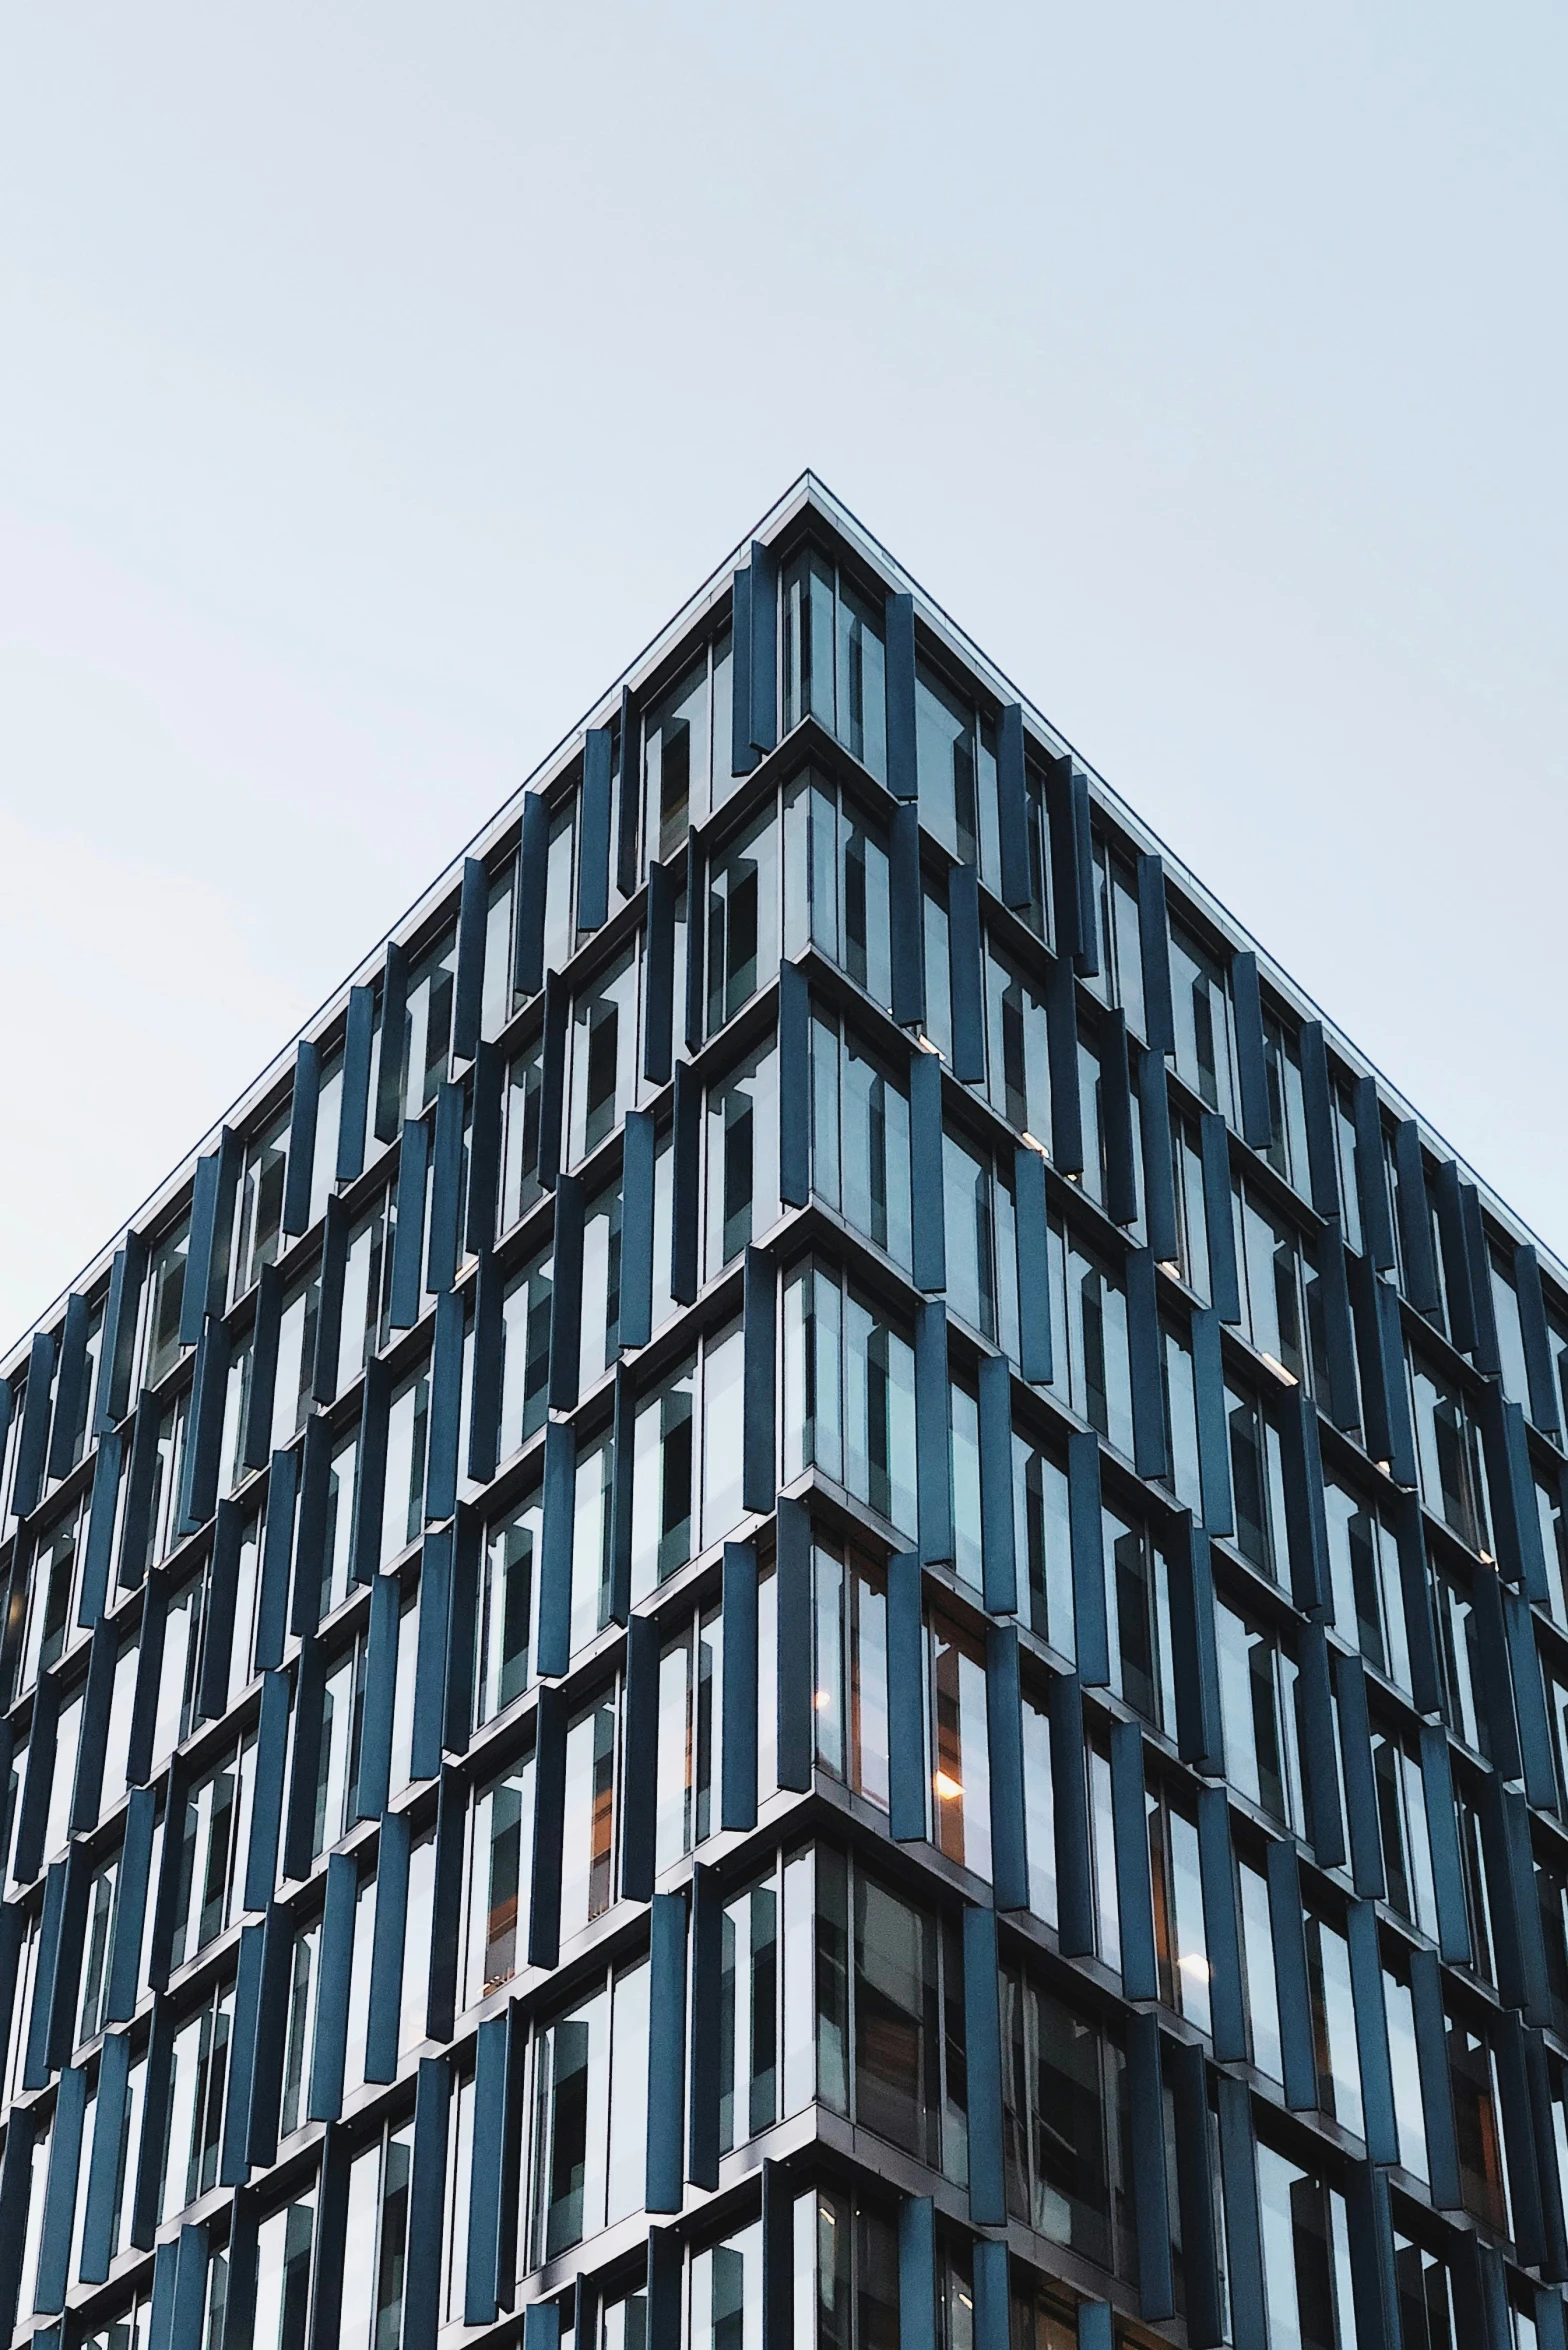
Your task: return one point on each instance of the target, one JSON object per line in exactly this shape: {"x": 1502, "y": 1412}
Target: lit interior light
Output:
{"x": 1169, "y": 1265}
{"x": 1279, "y": 1370}
{"x": 946, "y": 1785}
{"x": 824, "y": 1701}
{"x": 1035, "y": 1144}
{"x": 1193, "y": 1963}
{"x": 926, "y": 1046}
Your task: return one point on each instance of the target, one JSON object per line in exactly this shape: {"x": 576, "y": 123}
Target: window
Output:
{"x": 890, "y": 2033}
{"x": 1257, "y": 1961}
{"x": 403, "y": 1496}
{"x": 742, "y": 1157}
{"x": 163, "y": 1300}
{"x": 849, "y": 1394}
{"x": 850, "y": 1679}
{"x": 588, "y": 1834}
{"x": 591, "y": 1543}
{"x": 604, "y": 1056}
{"x": 296, "y": 1362}
{"x": 258, "y": 1212}
{"x": 1306, "y": 2256}
{"x": 1427, "y": 2316}
{"x": 1369, "y": 1603}
{"x": 1066, "y": 2126}
{"x": 427, "y": 1025}
{"x": 846, "y": 2260}
{"x": 677, "y": 734}
{"x": 690, "y": 1690}
{"x": 663, "y": 1468}
{"x": 1459, "y": 1645}
{"x": 175, "y": 1711}
{"x": 590, "y": 2094}
{"x": 1042, "y": 1539}
{"x": 1483, "y": 2161}
{"x": 1287, "y": 1150}
{"x": 743, "y": 920}
{"x": 500, "y": 1836}
{"x": 1089, "y": 1340}
{"x": 1257, "y": 1469}
{"x": 1018, "y": 1068}
{"x": 1039, "y": 1809}
{"x": 1192, "y": 1232}
{"x": 978, "y": 1264}
{"x": 102, "y": 1890}
{"x": 503, "y": 1627}
{"x": 338, "y": 1752}
{"x": 1202, "y": 1011}
{"x": 751, "y": 2021}
{"x": 525, "y": 1353}
{"x": 1407, "y": 1851}
{"x": 957, "y": 1745}
{"x": 51, "y": 1592}
{"x": 833, "y": 667}
{"x": 520, "y": 1185}
{"x": 956, "y": 762}
{"x": 376, "y": 2224}
{"x": 860, "y": 1137}
{"x": 1118, "y": 934}
{"x": 300, "y": 2026}
{"x": 1257, "y": 1703}
{"x": 1277, "y": 1277}
{"x": 1404, "y": 2063}
{"x": 726, "y": 2293}
{"x": 367, "y": 1293}
{"x": 1137, "y": 1600}
{"x": 284, "y": 2242}
{"x": 1180, "y": 1942}
{"x": 214, "y": 1834}
{"x": 1448, "y": 1456}
{"x": 600, "y": 1340}
{"x": 193, "y": 2116}
{"x": 1333, "y": 2023}
{"x": 836, "y": 885}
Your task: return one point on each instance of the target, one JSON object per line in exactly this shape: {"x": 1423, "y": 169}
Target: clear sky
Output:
{"x": 375, "y": 379}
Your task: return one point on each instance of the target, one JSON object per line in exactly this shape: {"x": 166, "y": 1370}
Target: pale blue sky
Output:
{"x": 376, "y": 379}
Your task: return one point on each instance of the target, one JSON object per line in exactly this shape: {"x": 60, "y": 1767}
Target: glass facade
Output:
{"x": 815, "y": 1596}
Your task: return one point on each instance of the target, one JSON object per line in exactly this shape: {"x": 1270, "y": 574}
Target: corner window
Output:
{"x": 743, "y": 920}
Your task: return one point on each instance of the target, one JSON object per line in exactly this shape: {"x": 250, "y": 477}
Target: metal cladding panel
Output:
{"x": 103, "y": 2164}
{"x": 794, "y": 1086}
{"x": 1320, "y": 1765}
{"x": 466, "y": 1535}
{"x": 212, "y": 1220}
{"x": 1377, "y": 1406}
{"x": 484, "y": 1150}
{"x": 1551, "y": 2331}
{"x": 658, "y": 1042}
{"x": 992, "y": 2308}
{"x": 1257, "y": 1125}
{"x": 1420, "y": 1620}
{"x": 483, "y": 2281}
{"x": 903, "y": 773}
{"x": 544, "y": 1909}
{"x": 917, "y": 2329}
{"x": 638, "y": 1146}
{"x": 131, "y": 1907}
{"x": 968, "y": 990}
{"x": 983, "y": 2053}
{"x": 1524, "y": 2171}
{"x": 1516, "y": 1523}
{"x": 1457, "y": 1287}
{"x": 933, "y": 1466}
{"x": 1442, "y": 2146}
{"x": 1070, "y": 1781}
{"x": 1218, "y": 1223}
{"x": 1494, "y": 1693}
{"x": 52, "y": 2274}
{"x": 443, "y": 1248}
{"x": 1154, "y": 948}
{"x": 1318, "y": 1107}
{"x": 302, "y": 1136}
{"x": 473, "y": 909}
{"x": 685, "y": 1184}
{"x": 33, "y": 1436}
{"x": 1150, "y": 2193}
{"x": 1339, "y": 1332}
{"x": 384, "y": 2005}
{"x": 204, "y": 1428}
{"x": 906, "y": 1725}
{"x": 1145, "y": 1355}
{"x": 1222, "y": 1932}
{"x": 1095, "y": 2326}
{"x": 566, "y": 1293}
{"x": 1061, "y": 821}
{"x": 1381, "y": 2127}
{"x": 446, "y": 1405}
{"x": 929, "y": 1244}
{"x": 759, "y": 1414}
{"x": 533, "y": 868}
{"x": 426, "y": 2202}
{"x": 1402, "y": 1437}
{"x": 1012, "y": 809}
{"x": 1121, "y": 1162}
{"x": 100, "y": 1529}
{"x": 1087, "y": 959}
{"x": 1417, "y": 1257}
{"x": 1361, "y": 1809}
{"x": 375, "y": 1753}
{"x": 738, "y": 1760}
{"x": 1484, "y": 1353}
{"x": 141, "y": 1468}
{"x": 696, "y": 940}
{"x": 1443, "y": 1835}
{"x": 666, "y": 2051}
{"x": 484, "y": 1403}
{"x": 623, "y": 1455}
{"x": 266, "y": 1817}
{"x": 234, "y": 2153}
{"x": 796, "y": 1678}
{"x": 1005, "y": 1754}
{"x": 1290, "y": 1973}
{"x": 906, "y": 918}
{"x": 354, "y": 1103}
{"x": 118, "y": 1342}
{"x": 1374, "y": 2291}
{"x": 70, "y": 1387}
{"x": 1159, "y": 1186}
{"x": 1535, "y": 1734}
{"x": 1061, "y": 1037}
{"x": 707, "y": 1966}
{"x": 1544, "y": 1399}
{"x": 1243, "y": 2231}
{"x": 391, "y": 1058}
{"x": 272, "y": 2008}
{"x": 329, "y": 2048}
{"x": 1130, "y": 1832}
{"x": 1088, "y": 1560}
{"x": 997, "y": 1547}
{"x": 256, "y": 1438}
{"x": 1306, "y": 1515}
{"x": 272, "y": 1592}
{"x": 212, "y": 1687}
{"x": 369, "y": 1479}
{"x": 408, "y": 1241}
{"x": 1377, "y": 1222}
{"x": 552, "y": 1652}
{"x": 1194, "y": 1651}
{"x": 628, "y": 797}
{"x": 1032, "y": 1241}
{"x": 762, "y": 620}
{"x": 552, "y": 1081}
{"x": 593, "y": 854}
{"x": 640, "y": 1759}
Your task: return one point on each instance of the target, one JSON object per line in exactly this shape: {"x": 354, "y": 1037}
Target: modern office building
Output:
{"x": 812, "y": 1593}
